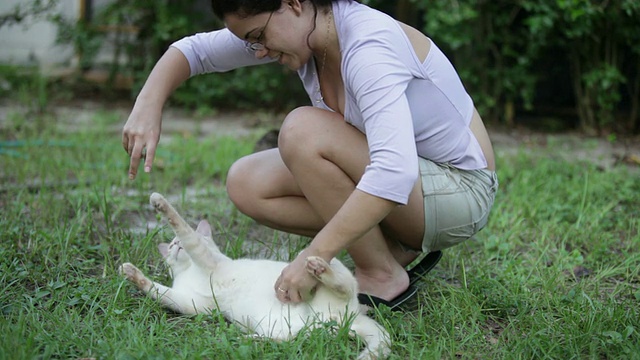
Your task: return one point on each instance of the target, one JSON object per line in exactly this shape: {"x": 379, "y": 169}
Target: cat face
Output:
{"x": 177, "y": 258}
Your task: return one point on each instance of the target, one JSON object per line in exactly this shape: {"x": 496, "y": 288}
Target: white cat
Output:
{"x": 204, "y": 280}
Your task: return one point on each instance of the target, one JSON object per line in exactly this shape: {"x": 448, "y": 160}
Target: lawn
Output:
{"x": 555, "y": 275}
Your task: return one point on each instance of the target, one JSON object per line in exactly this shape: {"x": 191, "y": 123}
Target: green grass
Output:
{"x": 555, "y": 275}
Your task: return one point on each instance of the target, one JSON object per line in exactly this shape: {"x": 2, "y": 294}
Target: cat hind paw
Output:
{"x": 316, "y": 266}
{"x": 129, "y": 271}
{"x": 133, "y": 274}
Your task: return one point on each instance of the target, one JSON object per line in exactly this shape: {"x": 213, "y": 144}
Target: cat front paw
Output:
{"x": 158, "y": 201}
{"x": 316, "y": 266}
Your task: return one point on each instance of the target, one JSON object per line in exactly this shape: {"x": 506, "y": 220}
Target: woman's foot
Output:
{"x": 386, "y": 284}
{"x": 406, "y": 257}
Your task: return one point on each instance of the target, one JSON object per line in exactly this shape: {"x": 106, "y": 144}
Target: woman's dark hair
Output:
{"x": 245, "y": 8}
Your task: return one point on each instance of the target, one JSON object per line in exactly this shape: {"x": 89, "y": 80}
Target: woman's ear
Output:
{"x": 295, "y": 5}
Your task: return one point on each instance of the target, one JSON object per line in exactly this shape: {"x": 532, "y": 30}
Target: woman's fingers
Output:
{"x": 294, "y": 284}
{"x": 140, "y": 136}
{"x": 125, "y": 142}
{"x": 140, "y": 147}
{"x": 136, "y": 155}
{"x": 295, "y": 296}
{"x": 149, "y": 156}
{"x": 281, "y": 292}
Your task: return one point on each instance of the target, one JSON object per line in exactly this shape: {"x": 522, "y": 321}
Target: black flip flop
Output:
{"x": 425, "y": 265}
{"x": 374, "y": 301}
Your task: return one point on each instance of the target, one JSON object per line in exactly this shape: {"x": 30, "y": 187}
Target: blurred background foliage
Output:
{"x": 565, "y": 64}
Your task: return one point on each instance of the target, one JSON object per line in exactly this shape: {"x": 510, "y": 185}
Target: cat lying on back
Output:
{"x": 204, "y": 280}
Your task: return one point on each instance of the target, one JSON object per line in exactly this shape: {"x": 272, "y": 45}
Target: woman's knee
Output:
{"x": 299, "y": 133}
{"x": 240, "y": 187}
{"x": 255, "y": 179}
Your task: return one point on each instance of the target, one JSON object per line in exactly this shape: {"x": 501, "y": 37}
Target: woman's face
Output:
{"x": 283, "y": 34}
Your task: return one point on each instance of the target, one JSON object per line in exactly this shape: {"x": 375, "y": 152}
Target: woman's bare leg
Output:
{"x": 261, "y": 187}
{"x": 322, "y": 159}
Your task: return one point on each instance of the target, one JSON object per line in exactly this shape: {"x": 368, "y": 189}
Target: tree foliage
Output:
{"x": 498, "y": 46}
{"x": 25, "y": 10}
{"x": 511, "y": 54}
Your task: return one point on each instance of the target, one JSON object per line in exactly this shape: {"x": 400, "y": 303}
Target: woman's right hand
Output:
{"x": 140, "y": 136}
{"x": 141, "y": 133}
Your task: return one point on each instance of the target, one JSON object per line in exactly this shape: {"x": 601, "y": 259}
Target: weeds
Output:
{"x": 555, "y": 275}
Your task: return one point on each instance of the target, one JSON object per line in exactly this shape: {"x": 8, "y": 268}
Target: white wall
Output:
{"x": 33, "y": 40}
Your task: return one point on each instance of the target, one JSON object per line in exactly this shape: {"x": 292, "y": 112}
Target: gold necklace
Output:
{"x": 319, "y": 97}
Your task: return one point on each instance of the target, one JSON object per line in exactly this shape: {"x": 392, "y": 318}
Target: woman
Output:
{"x": 391, "y": 160}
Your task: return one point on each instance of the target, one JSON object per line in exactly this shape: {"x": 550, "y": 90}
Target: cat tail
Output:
{"x": 178, "y": 224}
{"x": 376, "y": 338}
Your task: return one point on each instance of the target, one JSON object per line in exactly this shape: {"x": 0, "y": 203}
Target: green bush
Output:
{"x": 157, "y": 24}
{"x": 508, "y": 53}
{"x": 266, "y": 86}
{"x": 492, "y": 49}
{"x": 496, "y": 45}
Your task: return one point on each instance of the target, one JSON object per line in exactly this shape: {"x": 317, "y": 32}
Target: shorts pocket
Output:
{"x": 437, "y": 179}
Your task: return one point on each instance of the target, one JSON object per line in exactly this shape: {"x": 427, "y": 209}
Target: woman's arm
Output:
{"x": 142, "y": 129}
{"x": 215, "y": 51}
{"x": 357, "y": 216}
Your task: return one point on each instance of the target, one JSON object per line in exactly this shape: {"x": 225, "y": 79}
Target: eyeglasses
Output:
{"x": 258, "y": 44}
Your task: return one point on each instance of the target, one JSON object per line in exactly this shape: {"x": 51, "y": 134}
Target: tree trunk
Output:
{"x": 582, "y": 101}
{"x": 634, "y": 93}
{"x": 406, "y": 12}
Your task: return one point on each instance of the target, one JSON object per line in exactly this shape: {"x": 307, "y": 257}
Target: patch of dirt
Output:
{"x": 572, "y": 146}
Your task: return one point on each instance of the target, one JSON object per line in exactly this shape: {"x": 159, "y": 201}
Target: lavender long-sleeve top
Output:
{"x": 405, "y": 107}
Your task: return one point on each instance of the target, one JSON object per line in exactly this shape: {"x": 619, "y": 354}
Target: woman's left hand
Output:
{"x": 295, "y": 284}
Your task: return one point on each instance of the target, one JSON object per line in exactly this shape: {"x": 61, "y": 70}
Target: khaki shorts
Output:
{"x": 456, "y": 203}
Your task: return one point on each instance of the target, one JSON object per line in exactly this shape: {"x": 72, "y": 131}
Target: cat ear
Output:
{"x": 204, "y": 228}
{"x": 164, "y": 249}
